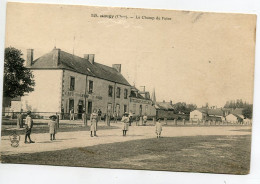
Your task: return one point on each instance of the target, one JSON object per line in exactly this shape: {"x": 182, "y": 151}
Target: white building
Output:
{"x": 198, "y": 114}
{"x": 64, "y": 81}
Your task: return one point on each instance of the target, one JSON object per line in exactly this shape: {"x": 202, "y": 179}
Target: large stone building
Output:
{"x": 65, "y": 81}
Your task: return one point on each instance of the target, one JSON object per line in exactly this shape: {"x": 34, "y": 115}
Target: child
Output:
{"x": 145, "y": 119}
{"x": 158, "y": 128}
{"x": 52, "y": 127}
{"x": 125, "y": 120}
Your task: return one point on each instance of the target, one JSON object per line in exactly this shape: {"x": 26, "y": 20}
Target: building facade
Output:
{"x": 64, "y": 81}
{"x": 141, "y": 103}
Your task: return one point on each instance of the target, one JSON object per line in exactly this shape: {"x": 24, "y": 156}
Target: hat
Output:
{"x": 126, "y": 113}
{"x": 29, "y": 112}
{"x": 53, "y": 117}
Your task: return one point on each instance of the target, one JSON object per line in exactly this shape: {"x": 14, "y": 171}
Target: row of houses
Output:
{"x": 218, "y": 114}
{"x": 64, "y": 81}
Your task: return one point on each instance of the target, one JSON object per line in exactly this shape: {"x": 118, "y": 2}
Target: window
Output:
{"x": 90, "y": 86}
{"x": 72, "y": 83}
{"x": 125, "y": 93}
{"x": 110, "y": 91}
{"x": 118, "y": 92}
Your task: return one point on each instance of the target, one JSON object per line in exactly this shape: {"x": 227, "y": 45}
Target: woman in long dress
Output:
{"x": 125, "y": 120}
{"x": 93, "y": 121}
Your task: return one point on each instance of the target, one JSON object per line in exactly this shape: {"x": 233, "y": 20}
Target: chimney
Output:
{"x": 29, "y": 57}
{"x": 170, "y": 102}
{"x": 91, "y": 58}
{"x": 86, "y": 56}
{"x": 117, "y": 67}
{"x": 56, "y": 57}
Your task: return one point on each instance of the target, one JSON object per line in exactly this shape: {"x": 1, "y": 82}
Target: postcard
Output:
{"x": 128, "y": 88}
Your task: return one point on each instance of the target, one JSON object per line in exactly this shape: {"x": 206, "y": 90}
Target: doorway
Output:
{"x": 89, "y": 107}
{"x": 80, "y": 109}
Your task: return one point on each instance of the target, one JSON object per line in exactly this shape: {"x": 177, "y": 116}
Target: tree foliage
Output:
{"x": 248, "y": 111}
{"x": 236, "y": 104}
{"x": 17, "y": 78}
{"x": 183, "y": 108}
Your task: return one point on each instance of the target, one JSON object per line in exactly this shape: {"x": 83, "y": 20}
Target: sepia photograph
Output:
{"x": 128, "y": 88}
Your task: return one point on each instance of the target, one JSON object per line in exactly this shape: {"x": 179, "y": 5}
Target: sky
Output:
{"x": 192, "y": 57}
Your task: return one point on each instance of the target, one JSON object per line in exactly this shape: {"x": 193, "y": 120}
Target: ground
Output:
{"x": 217, "y": 149}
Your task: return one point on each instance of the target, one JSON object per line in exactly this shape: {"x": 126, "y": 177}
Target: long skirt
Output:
{"x": 125, "y": 126}
{"x": 93, "y": 126}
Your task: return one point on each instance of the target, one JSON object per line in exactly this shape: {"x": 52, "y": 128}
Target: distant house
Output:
{"x": 198, "y": 114}
{"x": 207, "y": 114}
{"x": 215, "y": 114}
{"x": 141, "y": 103}
{"x": 233, "y": 118}
{"x": 238, "y": 112}
{"x": 164, "y": 110}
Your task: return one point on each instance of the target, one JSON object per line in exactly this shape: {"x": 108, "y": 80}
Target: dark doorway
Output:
{"x": 71, "y": 104}
{"x": 89, "y": 107}
{"x": 80, "y": 109}
{"x": 141, "y": 110}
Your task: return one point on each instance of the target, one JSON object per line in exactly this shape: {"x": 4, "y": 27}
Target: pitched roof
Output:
{"x": 164, "y": 105}
{"x": 77, "y": 64}
{"x": 238, "y": 111}
{"x": 201, "y": 110}
{"x": 215, "y": 112}
{"x": 237, "y": 116}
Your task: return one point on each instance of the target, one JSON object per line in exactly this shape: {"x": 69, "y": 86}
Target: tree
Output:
{"x": 248, "y": 111}
{"x": 17, "y": 78}
{"x": 182, "y": 107}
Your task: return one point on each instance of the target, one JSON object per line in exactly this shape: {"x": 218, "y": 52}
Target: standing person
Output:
{"x": 93, "y": 121}
{"x": 99, "y": 114}
{"x": 19, "y": 120}
{"x": 125, "y": 120}
{"x": 145, "y": 119}
{"x": 158, "y": 128}
{"x": 62, "y": 113}
{"x": 115, "y": 117}
{"x": 57, "y": 120}
{"x": 84, "y": 117}
{"x": 28, "y": 128}
{"x": 130, "y": 118}
{"x": 53, "y": 127}
{"x": 108, "y": 117}
{"x": 72, "y": 115}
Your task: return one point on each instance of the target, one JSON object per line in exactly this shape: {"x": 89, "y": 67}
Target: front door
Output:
{"x": 80, "y": 109}
{"x": 141, "y": 110}
{"x": 89, "y": 107}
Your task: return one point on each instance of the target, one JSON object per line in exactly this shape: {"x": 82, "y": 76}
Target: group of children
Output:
{"x": 94, "y": 116}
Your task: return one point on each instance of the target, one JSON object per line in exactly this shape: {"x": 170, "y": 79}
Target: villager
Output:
{"x": 158, "y": 128}
{"x": 53, "y": 127}
{"x": 93, "y": 121}
{"x": 125, "y": 120}
{"x": 28, "y": 128}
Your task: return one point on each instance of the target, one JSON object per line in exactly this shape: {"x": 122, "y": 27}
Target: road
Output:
{"x": 75, "y": 139}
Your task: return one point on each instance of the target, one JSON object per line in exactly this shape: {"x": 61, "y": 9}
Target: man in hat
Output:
{"x": 28, "y": 129}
